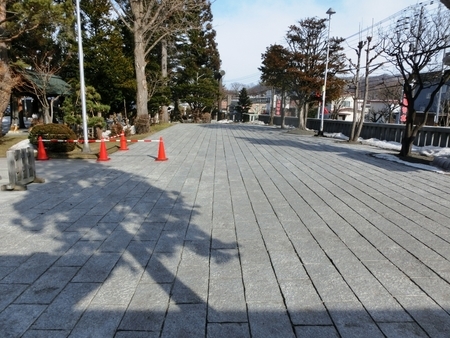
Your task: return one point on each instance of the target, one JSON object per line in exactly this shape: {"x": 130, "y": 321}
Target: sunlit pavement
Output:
{"x": 245, "y": 231}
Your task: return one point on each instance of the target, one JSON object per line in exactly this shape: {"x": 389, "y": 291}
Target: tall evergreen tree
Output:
{"x": 244, "y": 102}
{"x": 108, "y": 55}
{"x": 307, "y": 44}
{"x": 22, "y": 20}
{"x": 195, "y": 77}
{"x": 151, "y": 22}
{"x": 275, "y": 71}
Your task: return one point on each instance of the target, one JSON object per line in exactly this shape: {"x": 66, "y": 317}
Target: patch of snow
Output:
{"x": 394, "y": 158}
{"x": 429, "y": 151}
{"x": 441, "y": 155}
{"x": 389, "y": 145}
{"x": 339, "y": 136}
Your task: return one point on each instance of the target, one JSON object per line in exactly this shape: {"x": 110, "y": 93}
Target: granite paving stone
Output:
{"x": 185, "y": 320}
{"x": 9, "y": 292}
{"x": 245, "y": 231}
{"x": 227, "y": 301}
{"x": 98, "y": 321}
{"x": 304, "y": 304}
{"x": 269, "y": 320}
{"x": 97, "y": 268}
{"x": 316, "y": 331}
{"x": 402, "y": 330}
{"x": 65, "y": 310}
{"x": 226, "y": 330}
{"x": 351, "y": 320}
{"x": 147, "y": 309}
{"x": 46, "y": 333}
{"x": 48, "y": 286}
{"x": 426, "y": 313}
{"x": 30, "y": 270}
{"x": 17, "y": 318}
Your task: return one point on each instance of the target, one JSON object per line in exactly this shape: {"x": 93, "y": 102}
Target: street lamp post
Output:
{"x": 330, "y": 12}
{"x": 219, "y": 101}
{"x": 86, "y": 148}
{"x": 218, "y": 76}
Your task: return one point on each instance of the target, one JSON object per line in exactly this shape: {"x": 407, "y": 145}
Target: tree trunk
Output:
{"x": 410, "y": 133}
{"x": 21, "y": 122}
{"x": 355, "y": 118}
{"x": 141, "y": 79}
{"x": 302, "y": 116}
{"x": 271, "y": 107}
{"x": 6, "y": 84}
{"x": 363, "y": 108}
{"x": 164, "y": 110}
{"x": 283, "y": 113}
{"x": 6, "y": 81}
{"x": 407, "y": 143}
{"x": 46, "y": 111}
{"x": 305, "y": 115}
{"x": 353, "y": 137}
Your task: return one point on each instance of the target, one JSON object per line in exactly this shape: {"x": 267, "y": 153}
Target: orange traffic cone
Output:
{"x": 123, "y": 142}
{"x": 161, "y": 151}
{"x": 103, "y": 155}
{"x": 41, "y": 154}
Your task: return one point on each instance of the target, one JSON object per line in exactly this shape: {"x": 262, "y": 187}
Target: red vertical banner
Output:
{"x": 278, "y": 108}
{"x": 404, "y": 109}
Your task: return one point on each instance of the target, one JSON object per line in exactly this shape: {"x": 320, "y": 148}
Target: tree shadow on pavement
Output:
{"x": 95, "y": 251}
{"x": 100, "y": 252}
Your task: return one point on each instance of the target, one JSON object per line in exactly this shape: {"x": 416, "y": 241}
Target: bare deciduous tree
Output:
{"x": 414, "y": 48}
{"x": 389, "y": 93}
{"x": 236, "y": 88}
{"x": 17, "y": 18}
{"x": 371, "y": 54}
{"x": 151, "y": 21}
{"x": 39, "y": 82}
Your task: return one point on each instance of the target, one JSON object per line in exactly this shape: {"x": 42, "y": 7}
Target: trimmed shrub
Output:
{"x": 96, "y": 122}
{"x": 52, "y": 131}
{"x": 142, "y": 124}
{"x": 206, "y": 118}
{"x": 116, "y": 129}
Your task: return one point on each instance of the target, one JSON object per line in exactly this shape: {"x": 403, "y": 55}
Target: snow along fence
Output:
{"x": 427, "y": 136}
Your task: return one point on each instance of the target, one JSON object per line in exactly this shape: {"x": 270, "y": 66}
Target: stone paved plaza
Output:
{"x": 246, "y": 231}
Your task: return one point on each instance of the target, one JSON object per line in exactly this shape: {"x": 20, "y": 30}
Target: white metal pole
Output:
{"x": 86, "y": 148}
{"x": 324, "y": 89}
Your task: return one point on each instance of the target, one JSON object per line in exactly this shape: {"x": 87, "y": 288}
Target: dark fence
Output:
{"x": 428, "y": 136}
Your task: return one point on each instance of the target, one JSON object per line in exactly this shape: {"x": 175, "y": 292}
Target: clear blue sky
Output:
{"x": 245, "y": 28}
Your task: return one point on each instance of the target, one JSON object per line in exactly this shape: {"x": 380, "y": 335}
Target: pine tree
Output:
{"x": 151, "y": 22}
{"x": 244, "y": 103}
{"x": 108, "y": 55}
{"x": 194, "y": 80}
{"x": 20, "y": 22}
